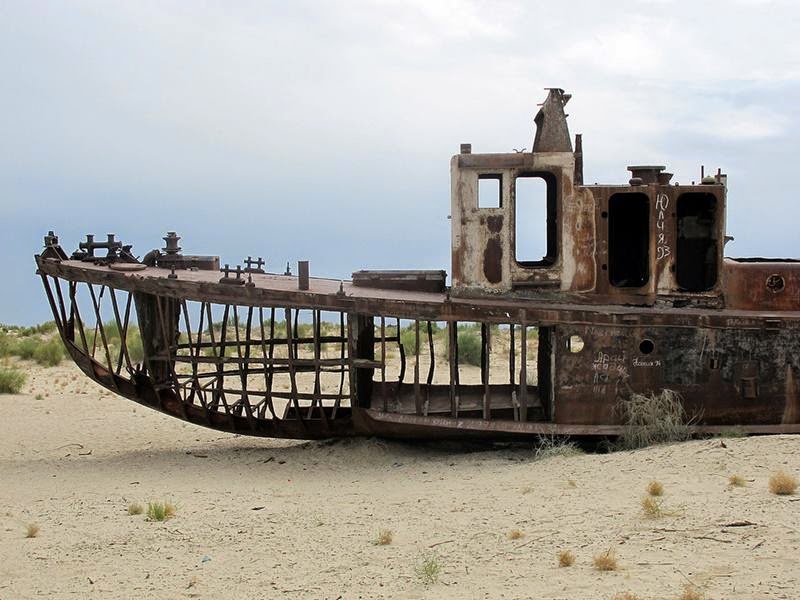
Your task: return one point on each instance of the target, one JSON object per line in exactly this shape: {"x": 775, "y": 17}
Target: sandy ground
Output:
{"x": 266, "y": 518}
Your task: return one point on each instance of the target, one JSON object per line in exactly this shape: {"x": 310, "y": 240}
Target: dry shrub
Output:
{"x": 690, "y": 593}
{"x": 160, "y": 511}
{"x": 605, "y": 561}
{"x": 515, "y": 534}
{"x": 782, "y": 483}
{"x": 526, "y": 489}
{"x": 565, "y": 558}
{"x": 625, "y": 596}
{"x": 134, "y": 508}
{"x": 736, "y": 481}
{"x": 31, "y": 530}
{"x": 653, "y": 419}
{"x": 384, "y": 538}
{"x": 651, "y": 507}
{"x": 654, "y": 488}
{"x": 550, "y": 446}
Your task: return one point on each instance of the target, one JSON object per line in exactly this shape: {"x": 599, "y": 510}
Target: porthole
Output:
{"x": 776, "y": 283}
{"x": 575, "y": 343}
{"x": 646, "y": 346}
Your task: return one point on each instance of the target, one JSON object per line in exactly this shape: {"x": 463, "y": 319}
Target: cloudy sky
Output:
{"x": 323, "y": 130}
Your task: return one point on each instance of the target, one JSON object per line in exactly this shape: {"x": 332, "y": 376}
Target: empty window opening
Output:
{"x": 629, "y": 239}
{"x": 535, "y": 220}
{"x": 697, "y": 242}
{"x": 490, "y": 191}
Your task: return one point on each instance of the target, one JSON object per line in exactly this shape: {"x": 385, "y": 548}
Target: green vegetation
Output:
{"x": 41, "y": 343}
{"x": 160, "y": 511}
{"x": 38, "y": 343}
{"x": 135, "y": 347}
{"x": 11, "y": 381}
{"x": 26, "y": 348}
{"x": 49, "y": 353}
{"x": 469, "y": 345}
{"x": 41, "y": 329}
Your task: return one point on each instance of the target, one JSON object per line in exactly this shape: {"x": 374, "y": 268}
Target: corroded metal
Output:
{"x": 631, "y": 293}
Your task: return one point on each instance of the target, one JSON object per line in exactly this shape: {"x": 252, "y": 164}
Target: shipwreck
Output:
{"x": 631, "y": 293}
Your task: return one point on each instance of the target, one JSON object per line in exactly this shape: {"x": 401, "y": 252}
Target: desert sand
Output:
{"x": 261, "y": 518}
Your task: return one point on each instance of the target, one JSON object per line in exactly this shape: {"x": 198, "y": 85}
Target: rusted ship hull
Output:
{"x": 732, "y": 368}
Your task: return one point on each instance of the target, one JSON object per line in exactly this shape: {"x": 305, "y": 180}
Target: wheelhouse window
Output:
{"x": 490, "y": 191}
{"x": 697, "y": 246}
{"x": 629, "y": 239}
{"x": 535, "y": 230}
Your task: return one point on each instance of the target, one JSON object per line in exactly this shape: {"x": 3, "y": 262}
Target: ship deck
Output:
{"x": 271, "y": 289}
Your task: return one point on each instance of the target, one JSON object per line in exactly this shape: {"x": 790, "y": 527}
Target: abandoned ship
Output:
{"x": 631, "y": 295}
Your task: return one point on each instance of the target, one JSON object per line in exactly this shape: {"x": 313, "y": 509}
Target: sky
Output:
{"x": 322, "y": 131}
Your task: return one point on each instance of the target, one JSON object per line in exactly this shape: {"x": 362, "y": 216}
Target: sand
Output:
{"x": 260, "y": 518}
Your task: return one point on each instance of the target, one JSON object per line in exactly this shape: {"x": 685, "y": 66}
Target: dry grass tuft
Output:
{"x": 654, "y": 488}
{"x": 736, "y": 481}
{"x": 428, "y": 569}
{"x": 605, "y": 561}
{"x": 572, "y": 483}
{"x": 526, "y": 489}
{"x": 550, "y": 446}
{"x": 653, "y": 508}
{"x": 565, "y": 558}
{"x": 160, "y": 511}
{"x": 625, "y": 596}
{"x": 515, "y": 534}
{"x": 782, "y": 483}
{"x": 653, "y": 419}
{"x": 690, "y": 593}
{"x": 31, "y": 530}
{"x": 384, "y": 538}
{"x": 134, "y": 508}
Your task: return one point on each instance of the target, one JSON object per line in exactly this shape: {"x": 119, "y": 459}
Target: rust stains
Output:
{"x": 791, "y": 410}
{"x": 493, "y": 261}
{"x": 495, "y": 223}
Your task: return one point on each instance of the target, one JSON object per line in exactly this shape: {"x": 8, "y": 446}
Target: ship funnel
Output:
{"x": 552, "y": 133}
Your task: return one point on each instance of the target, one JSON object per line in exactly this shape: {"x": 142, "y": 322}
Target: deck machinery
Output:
{"x": 630, "y": 294}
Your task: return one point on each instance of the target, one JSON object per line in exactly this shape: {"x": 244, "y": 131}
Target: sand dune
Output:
{"x": 265, "y": 518}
